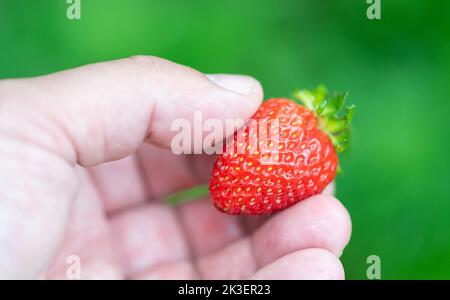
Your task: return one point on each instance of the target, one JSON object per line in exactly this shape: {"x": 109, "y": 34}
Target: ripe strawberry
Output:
{"x": 309, "y": 137}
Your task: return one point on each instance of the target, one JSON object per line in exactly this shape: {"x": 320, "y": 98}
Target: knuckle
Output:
{"x": 146, "y": 61}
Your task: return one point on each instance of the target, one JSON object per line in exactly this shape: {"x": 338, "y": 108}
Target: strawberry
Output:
{"x": 310, "y": 135}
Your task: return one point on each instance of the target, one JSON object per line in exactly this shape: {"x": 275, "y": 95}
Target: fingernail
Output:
{"x": 236, "y": 83}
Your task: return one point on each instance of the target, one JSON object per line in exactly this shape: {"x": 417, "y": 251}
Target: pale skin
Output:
{"x": 85, "y": 160}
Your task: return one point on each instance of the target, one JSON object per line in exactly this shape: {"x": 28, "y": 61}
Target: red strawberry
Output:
{"x": 309, "y": 136}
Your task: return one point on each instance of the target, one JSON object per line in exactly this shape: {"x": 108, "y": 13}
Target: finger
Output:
{"x": 235, "y": 261}
{"x": 307, "y": 264}
{"x": 317, "y": 222}
{"x": 206, "y": 229}
{"x": 121, "y": 183}
{"x": 103, "y": 112}
{"x": 165, "y": 173}
{"x": 179, "y": 270}
{"x": 252, "y": 223}
{"x": 150, "y": 174}
{"x": 329, "y": 189}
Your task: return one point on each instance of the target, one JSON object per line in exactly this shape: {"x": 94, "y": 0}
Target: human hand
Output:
{"x": 84, "y": 160}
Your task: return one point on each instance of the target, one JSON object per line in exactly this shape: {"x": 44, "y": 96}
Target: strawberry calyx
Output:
{"x": 328, "y": 110}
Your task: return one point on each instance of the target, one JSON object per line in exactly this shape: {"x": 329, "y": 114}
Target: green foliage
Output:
{"x": 187, "y": 195}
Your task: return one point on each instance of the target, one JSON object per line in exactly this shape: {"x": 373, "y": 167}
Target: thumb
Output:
{"x": 104, "y": 111}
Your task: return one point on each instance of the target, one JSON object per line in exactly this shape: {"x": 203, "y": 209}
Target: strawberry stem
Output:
{"x": 187, "y": 195}
{"x": 327, "y": 108}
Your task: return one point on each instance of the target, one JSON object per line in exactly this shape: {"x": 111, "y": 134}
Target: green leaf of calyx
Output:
{"x": 327, "y": 108}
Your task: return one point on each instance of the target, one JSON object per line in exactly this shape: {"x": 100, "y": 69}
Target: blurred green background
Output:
{"x": 397, "y": 69}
